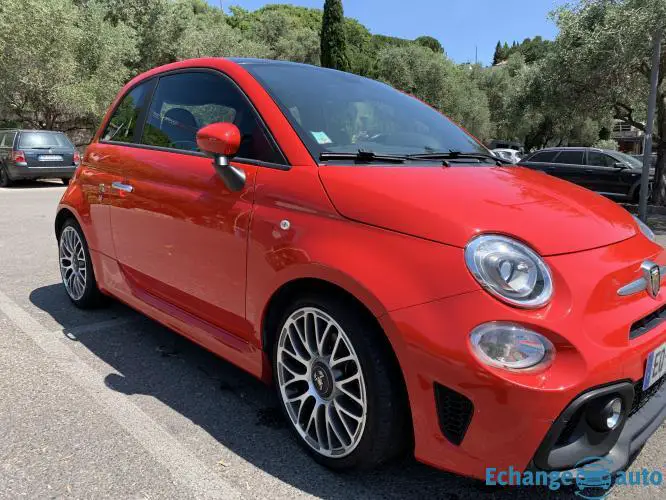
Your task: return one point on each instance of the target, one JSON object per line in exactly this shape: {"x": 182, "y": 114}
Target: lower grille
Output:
{"x": 644, "y": 325}
{"x": 641, "y": 397}
{"x": 455, "y": 413}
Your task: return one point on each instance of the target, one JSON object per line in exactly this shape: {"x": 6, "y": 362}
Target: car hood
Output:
{"x": 451, "y": 205}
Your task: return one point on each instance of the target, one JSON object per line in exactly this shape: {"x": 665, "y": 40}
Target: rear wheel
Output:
{"x": 76, "y": 268}
{"x": 338, "y": 388}
{"x": 5, "y": 181}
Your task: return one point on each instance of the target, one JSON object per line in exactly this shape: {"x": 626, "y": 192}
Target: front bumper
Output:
{"x": 571, "y": 440}
{"x": 513, "y": 413}
{"x": 25, "y": 173}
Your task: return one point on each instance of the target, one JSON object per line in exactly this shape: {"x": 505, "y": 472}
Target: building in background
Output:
{"x": 629, "y": 139}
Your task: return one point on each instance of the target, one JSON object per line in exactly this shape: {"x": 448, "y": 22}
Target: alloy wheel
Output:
{"x": 321, "y": 382}
{"x": 73, "y": 268}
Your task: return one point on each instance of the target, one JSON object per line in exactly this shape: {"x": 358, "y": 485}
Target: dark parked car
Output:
{"x": 33, "y": 154}
{"x": 611, "y": 173}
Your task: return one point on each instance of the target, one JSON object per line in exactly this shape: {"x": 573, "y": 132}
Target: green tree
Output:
{"x": 333, "y": 43}
{"x": 62, "y": 78}
{"x": 436, "y": 80}
{"x": 606, "y": 48}
{"x": 499, "y": 54}
{"x": 430, "y": 42}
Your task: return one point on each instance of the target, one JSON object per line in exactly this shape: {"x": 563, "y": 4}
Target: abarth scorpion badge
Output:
{"x": 652, "y": 275}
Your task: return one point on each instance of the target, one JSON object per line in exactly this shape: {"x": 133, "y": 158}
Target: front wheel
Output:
{"x": 339, "y": 389}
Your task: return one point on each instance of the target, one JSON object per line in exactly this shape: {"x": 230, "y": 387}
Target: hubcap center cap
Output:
{"x": 322, "y": 379}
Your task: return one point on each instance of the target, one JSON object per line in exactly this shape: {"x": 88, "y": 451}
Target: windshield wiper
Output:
{"x": 362, "y": 156}
{"x": 454, "y": 155}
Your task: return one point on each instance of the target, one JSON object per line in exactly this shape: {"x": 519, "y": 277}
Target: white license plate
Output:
{"x": 656, "y": 366}
{"x": 50, "y": 158}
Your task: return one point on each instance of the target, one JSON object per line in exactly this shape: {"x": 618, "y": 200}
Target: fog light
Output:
{"x": 606, "y": 415}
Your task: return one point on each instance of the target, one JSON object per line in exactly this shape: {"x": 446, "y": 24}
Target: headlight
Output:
{"x": 509, "y": 270}
{"x": 510, "y": 346}
{"x": 645, "y": 229}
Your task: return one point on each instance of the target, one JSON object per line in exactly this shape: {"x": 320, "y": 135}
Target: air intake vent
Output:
{"x": 642, "y": 397}
{"x": 644, "y": 325}
{"x": 455, "y": 413}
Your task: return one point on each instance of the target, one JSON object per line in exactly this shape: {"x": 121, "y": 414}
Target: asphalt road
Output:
{"x": 109, "y": 404}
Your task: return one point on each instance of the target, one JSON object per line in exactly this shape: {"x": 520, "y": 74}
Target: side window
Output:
{"x": 123, "y": 122}
{"x": 570, "y": 157}
{"x": 543, "y": 156}
{"x": 185, "y": 102}
{"x": 599, "y": 159}
{"x": 2, "y": 140}
{"x": 9, "y": 139}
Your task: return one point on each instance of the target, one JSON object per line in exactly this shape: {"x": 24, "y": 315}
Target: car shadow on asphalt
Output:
{"x": 20, "y": 185}
{"x": 240, "y": 412}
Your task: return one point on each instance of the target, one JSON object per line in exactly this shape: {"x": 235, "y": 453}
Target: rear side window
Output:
{"x": 185, "y": 102}
{"x": 43, "y": 140}
{"x": 542, "y": 156}
{"x": 8, "y": 141}
{"x": 123, "y": 121}
{"x": 570, "y": 157}
{"x": 599, "y": 159}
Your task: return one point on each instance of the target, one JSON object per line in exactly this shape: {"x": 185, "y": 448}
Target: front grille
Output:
{"x": 644, "y": 325}
{"x": 641, "y": 397}
{"x": 455, "y": 413}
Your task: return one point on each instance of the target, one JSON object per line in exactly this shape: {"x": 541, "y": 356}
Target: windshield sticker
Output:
{"x": 321, "y": 137}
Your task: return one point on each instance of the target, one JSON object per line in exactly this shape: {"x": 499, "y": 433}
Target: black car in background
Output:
{"x": 36, "y": 154}
{"x": 611, "y": 173}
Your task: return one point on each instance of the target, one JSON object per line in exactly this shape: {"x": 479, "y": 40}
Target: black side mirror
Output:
{"x": 620, "y": 165}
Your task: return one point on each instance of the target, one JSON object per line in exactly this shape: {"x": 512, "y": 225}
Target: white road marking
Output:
{"x": 185, "y": 468}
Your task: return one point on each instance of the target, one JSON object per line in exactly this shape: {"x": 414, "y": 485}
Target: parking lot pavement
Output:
{"x": 109, "y": 404}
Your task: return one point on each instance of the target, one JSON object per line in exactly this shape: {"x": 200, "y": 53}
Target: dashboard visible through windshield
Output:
{"x": 336, "y": 112}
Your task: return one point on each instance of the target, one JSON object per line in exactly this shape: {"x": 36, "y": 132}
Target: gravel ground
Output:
{"x": 108, "y": 404}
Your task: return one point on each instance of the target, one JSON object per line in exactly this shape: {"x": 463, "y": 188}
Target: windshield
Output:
{"x": 630, "y": 160}
{"x": 335, "y": 112}
{"x": 37, "y": 140}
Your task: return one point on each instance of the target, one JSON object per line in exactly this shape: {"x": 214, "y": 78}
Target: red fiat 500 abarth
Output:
{"x": 398, "y": 284}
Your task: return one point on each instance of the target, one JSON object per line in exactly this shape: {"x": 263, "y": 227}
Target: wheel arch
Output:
{"x": 63, "y": 214}
{"x": 370, "y": 307}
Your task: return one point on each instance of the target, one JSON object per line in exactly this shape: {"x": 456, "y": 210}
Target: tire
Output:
{"x": 77, "y": 273}
{"x": 65, "y": 181}
{"x": 348, "y": 443}
{"x": 5, "y": 181}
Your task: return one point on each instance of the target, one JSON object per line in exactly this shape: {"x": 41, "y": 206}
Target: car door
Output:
{"x": 541, "y": 160}
{"x": 180, "y": 234}
{"x": 605, "y": 176}
{"x": 569, "y": 165}
{"x": 104, "y": 162}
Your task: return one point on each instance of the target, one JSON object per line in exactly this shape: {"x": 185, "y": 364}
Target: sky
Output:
{"x": 460, "y": 25}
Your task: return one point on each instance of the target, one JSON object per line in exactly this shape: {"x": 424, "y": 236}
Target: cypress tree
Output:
{"x": 499, "y": 56}
{"x": 333, "y": 43}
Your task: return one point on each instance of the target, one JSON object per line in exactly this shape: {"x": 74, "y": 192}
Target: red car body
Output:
{"x": 207, "y": 262}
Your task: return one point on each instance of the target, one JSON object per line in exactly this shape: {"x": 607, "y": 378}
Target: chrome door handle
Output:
{"x": 122, "y": 187}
